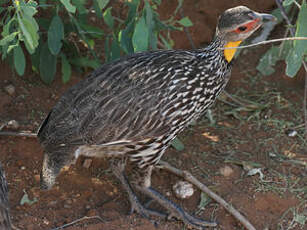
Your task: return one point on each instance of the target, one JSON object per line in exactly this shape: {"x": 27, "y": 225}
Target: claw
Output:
{"x": 175, "y": 210}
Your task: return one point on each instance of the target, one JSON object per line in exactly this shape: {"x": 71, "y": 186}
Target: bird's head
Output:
{"x": 237, "y": 24}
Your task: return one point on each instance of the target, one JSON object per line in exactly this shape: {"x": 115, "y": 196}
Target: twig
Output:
{"x": 234, "y": 99}
{"x": 16, "y": 134}
{"x": 190, "y": 178}
{"x": 186, "y": 30}
{"x": 265, "y": 42}
{"x": 78, "y": 220}
{"x": 285, "y": 16}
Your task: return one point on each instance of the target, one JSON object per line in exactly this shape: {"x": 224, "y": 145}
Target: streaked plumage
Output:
{"x": 133, "y": 107}
{"x": 5, "y": 222}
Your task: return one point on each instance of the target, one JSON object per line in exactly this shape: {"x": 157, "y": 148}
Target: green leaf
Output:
{"x": 294, "y": 63}
{"x": 133, "y": 7}
{"x": 66, "y": 69}
{"x": 177, "y": 144}
{"x": 29, "y": 31}
{"x": 287, "y": 2}
{"x": 80, "y": 6}
{"x": 150, "y": 22}
{"x": 268, "y": 60}
{"x": 55, "y": 35}
{"x": 69, "y": 7}
{"x": 301, "y": 31}
{"x": 92, "y": 31}
{"x": 140, "y": 36}
{"x": 115, "y": 49}
{"x": 186, "y": 22}
{"x": 47, "y": 64}
{"x": 98, "y": 12}
{"x": 125, "y": 38}
{"x": 19, "y": 60}
{"x": 295, "y": 58}
{"x": 7, "y": 39}
{"x": 107, "y": 49}
{"x": 29, "y": 8}
{"x": 285, "y": 49}
{"x": 85, "y": 62}
{"x": 108, "y": 18}
{"x": 102, "y": 3}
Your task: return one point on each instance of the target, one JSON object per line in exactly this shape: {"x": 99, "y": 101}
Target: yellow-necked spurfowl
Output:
{"x": 132, "y": 108}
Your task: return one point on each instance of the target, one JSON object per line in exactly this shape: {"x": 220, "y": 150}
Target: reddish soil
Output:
{"x": 259, "y": 136}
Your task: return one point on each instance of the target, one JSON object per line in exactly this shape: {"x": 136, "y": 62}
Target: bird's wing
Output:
{"x": 125, "y": 100}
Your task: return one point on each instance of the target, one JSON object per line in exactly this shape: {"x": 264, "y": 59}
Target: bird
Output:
{"x": 5, "y": 221}
{"x": 129, "y": 110}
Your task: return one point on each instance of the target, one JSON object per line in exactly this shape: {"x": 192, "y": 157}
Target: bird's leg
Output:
{"x": 144, "y": 186}
{"x": 118, "y": 170}
{"x": 174, "y": 209}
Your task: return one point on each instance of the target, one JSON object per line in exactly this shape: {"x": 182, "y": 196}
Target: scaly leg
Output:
{"x": 118, "y": 170}
{"x": 174, "y": 209}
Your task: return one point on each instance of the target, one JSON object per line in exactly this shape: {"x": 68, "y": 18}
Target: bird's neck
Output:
{"x": 219, "y": 44}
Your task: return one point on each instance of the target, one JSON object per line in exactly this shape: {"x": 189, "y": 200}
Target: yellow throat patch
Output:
{"x": 229, "y": 53}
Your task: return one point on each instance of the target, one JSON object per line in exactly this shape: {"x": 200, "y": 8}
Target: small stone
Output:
{"x": 69, "y": 202}
{"x": 226, "y": 171}
{"x": 291, "y": 132}
{"x": 23, "y": 167}
{"x": 52, "y": 203}
{"x": 87, "y": 163}
{"x": 13, "y": 125}
{"x": 46, "y": 222}
{"x": 88, "y": 207}
{"x": 10, "y": 89}
{"x": 183, "y": 189}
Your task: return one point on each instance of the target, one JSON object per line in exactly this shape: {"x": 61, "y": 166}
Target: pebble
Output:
{"x": 67, "y": 206}
{"x": 183, "y": 189}
{"x": 13, "y": 125}
{"x": 226, "y": 171}
{"x": 10, "y": 89}
{"x": 291, "y": 133}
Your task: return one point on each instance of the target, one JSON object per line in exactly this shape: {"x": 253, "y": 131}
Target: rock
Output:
{"x": 13, "y": 125}
{"x": 183, "y": 189}
{"x": 291, "y": 132}
{"x": 226, "y": 171}
{"x": 10, "y": 89}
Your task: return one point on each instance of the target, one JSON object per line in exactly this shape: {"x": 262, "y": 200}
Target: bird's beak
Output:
{"x": 267, "y": 17}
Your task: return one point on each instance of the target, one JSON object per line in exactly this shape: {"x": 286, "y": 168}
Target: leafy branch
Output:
{"x": 53, "y": 32}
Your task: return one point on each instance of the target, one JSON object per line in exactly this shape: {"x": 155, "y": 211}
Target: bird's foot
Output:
{"x": 175, "y": 210}
{"x": 136, "y": 205}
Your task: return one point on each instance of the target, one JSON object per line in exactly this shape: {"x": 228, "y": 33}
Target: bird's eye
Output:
{"x": 242, "y": 28}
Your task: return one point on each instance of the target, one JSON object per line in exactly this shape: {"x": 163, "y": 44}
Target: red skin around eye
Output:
{"x": 248, "y": 26}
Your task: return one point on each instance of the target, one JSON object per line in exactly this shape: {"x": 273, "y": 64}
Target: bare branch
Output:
{"x": 78, "y": 220}
{"x": 17, "y": 134}
{"x": 190, "y": 178}
{"x": 265, "y": 42}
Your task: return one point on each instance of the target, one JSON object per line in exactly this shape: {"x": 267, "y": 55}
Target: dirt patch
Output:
{"x": 237, "y": 139}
